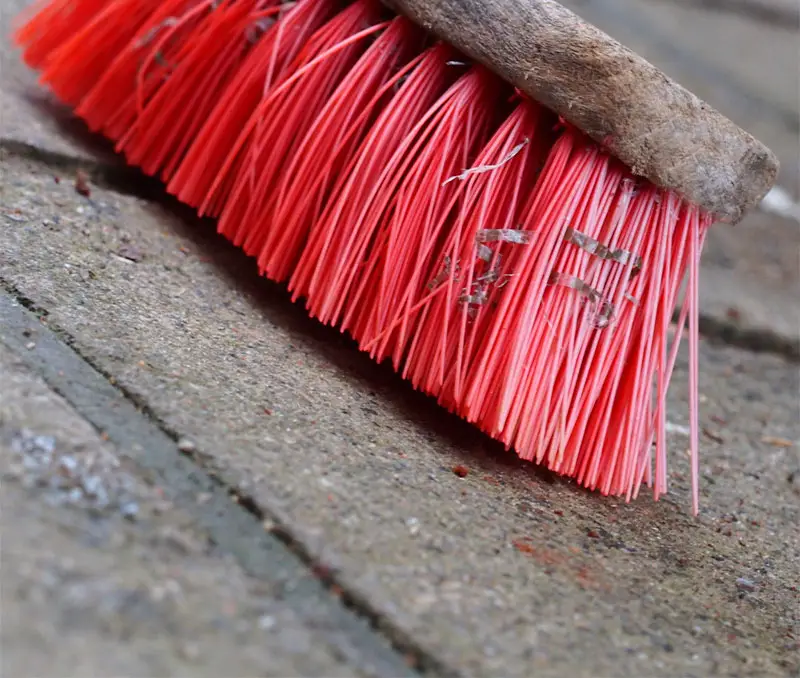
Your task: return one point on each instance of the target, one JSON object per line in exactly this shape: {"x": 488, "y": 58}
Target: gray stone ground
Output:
{"x": 198, "y": 480}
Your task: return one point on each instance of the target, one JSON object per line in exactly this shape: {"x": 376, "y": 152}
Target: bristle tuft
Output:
{"x": 501, "y": 261}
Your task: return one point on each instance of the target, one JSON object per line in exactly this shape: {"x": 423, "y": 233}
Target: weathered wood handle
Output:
{"x": 656, "y": 127}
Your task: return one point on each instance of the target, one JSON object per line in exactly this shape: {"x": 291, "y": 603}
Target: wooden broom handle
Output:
{"x": 656, "y": 127}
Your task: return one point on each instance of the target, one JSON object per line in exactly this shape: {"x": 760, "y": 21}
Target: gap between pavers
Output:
{"x": 503, "y": 572}
{"x": 130, "y": 495}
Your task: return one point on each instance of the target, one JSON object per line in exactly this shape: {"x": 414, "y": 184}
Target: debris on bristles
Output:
{"x": 502, "y": 262}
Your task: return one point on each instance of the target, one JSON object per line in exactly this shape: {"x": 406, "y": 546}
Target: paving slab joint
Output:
{"x": 755, "y": 340}
{"x": 419, "y": 660}
{"x": 759, "y": 11}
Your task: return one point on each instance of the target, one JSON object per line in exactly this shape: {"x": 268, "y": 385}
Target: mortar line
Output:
{"x": 752, "y": 10}
{"x": 259, "y": 535}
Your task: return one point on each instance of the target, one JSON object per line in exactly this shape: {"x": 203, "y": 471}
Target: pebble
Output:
{"x": 186, "y": 446}
{"x": 413, "y": 526}
{"x": 129, "y": 510}
{"x": 190, "y": 651}
{"x": 745, "y": 584}
{"x": 90, "y": 482}
{"x": 266, "y": 622}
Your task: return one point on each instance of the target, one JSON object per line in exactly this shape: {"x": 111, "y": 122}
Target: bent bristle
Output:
{"x": 501, "y": 261}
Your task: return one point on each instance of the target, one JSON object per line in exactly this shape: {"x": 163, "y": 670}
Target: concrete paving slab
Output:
{"x": 103, "y": 575}
{"x": 506, "y": 571}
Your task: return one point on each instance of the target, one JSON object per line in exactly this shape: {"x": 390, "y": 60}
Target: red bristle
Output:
{"x": 204, "y": 177}
{"x": 169, "y": 74}
{"x": 74, "y": 68}
{"x": 506, "y": 266}
{"x": 47, "y": 24}
{"x": 328, "y": 146}
{"x": 280, "y": 121}
{"x": 328, "y": 265}
{"x": 158, "y": 139}
{"x": 393, "y": 275}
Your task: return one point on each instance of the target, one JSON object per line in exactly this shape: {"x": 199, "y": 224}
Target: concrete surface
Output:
{"x": 507, "y": 571}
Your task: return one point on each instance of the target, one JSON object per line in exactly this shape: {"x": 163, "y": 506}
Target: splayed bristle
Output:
{"x": 502, "y": 262}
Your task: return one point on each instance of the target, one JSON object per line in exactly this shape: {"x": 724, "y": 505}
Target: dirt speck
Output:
{"x": 774, "y": 441}
{"x": 82, "y": 184}
{"x": 130, "y": 253}
{"x": 744, "y": 584}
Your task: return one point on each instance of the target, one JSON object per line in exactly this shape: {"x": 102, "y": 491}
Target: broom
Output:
{"x": 492, "y": 194}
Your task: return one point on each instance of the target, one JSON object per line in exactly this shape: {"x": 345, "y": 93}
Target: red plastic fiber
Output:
{"x": 500, "y": 260}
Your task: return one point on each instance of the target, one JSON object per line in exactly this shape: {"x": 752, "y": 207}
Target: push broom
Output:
{"x": 492, "y": 194}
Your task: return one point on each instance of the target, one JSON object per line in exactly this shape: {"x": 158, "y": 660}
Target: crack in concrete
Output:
{"x": 260, "y": 539}
{"x": 755, "y": 340}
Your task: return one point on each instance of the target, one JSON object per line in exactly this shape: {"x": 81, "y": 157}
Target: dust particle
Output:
{"x": 82, "y": 184}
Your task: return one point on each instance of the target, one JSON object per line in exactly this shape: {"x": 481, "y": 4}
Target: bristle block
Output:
{"x": 498, "y": 258}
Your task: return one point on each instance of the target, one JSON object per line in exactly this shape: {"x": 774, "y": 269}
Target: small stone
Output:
{"x": 265, "y": 623}
{"x": 82, "y": 184}
{"x": 161, "y": 506}
{"x": 130, "y": 253}
{"x": 461, "y": 471}
{"x": 30, "y": 345}
{"x": 93, "y": 486}
{"x": 67, "y": 466}
{"x": 745, "y": 584}
{"x": 186, "y": 446}
{"x": 129, "y": 510}
{"x": 45, "y": 444}
{"x": 75, "y": 495}
{"x": 413, "y": 526}
{"x": 190, "y": 651}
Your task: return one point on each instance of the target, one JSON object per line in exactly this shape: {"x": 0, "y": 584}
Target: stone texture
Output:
{"x": 503, "y": 572}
